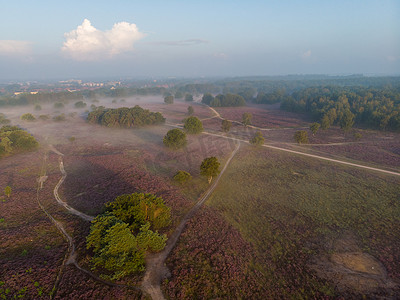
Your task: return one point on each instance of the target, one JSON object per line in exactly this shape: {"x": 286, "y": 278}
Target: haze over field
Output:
{"x": 47, "y": 39}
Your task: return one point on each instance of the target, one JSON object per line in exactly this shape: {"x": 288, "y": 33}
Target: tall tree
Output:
{"x": 210, "y": 167}
{"x": 301, "y": 137}
{"x": 347, "y": 120}
{"x": 169, "y": 99}
{"x": 190, "y": 110}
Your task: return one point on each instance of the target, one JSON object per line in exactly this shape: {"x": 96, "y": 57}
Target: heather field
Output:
{"x": 277, "y": 224}
{"x": 295, "y": 210}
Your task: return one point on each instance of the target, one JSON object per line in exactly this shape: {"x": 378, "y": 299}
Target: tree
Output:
{"x": 81, "y": 104}
{"x": 257, "y": 139}
{"x": 28, "y": 117}
{"x": 347, "y": 121}
{"x": 210, "y": 167}
{"x": 7, "y": 191}
{"x": 325, "y": 122}
{"x": 175, "y": 139}
{"x": 120, "y": 237}
{"x": 301, "y": 137}
{"x": 58, "y": 105}
{"x": 189, "y": 97}
{"x": 314, "y": 127}
{"x": 190, "y": 110}
{"x": 226, "y": 125}
{"x": 207, "y": 98}
{"x": 246, "y": 118}
{"x": 38, "y": 107}
{"x": 169, "y": 99}
{"x": 193, "y": 125}
{"x": 182, "y": 177}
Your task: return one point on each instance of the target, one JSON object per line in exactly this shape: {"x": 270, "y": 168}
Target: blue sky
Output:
{"x": 41, "y": 39}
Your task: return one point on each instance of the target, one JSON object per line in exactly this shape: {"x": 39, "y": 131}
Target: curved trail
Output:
{"x": 292, "y": 151}
{"x": 67, "y": 207}
{"x": 70, "y": 255}
{"x": 155, "y": 267}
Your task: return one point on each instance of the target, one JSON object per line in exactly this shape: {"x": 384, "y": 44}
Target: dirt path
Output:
{"x": 56, "y": 195}
{"x": 300, "y": 153}
{"x": 217, "y": 115}
{"x": 156, "y": 270}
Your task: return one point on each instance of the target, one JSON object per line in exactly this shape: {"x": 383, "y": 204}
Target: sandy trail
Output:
{"x": 156, "y": 270}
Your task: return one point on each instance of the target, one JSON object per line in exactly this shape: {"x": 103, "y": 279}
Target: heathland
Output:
{"x": 283, "y": 220}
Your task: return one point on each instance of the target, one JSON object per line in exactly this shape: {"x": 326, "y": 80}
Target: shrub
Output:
{"x": 182, "y": 177}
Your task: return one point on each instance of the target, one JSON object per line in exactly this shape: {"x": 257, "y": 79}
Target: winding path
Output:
{"x": 156, "y": 270}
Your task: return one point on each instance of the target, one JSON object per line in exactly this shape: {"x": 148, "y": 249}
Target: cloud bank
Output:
{"x": 190, "y": 42}
{"x": 15, "y": 48}
{"x": 88, "y": 43}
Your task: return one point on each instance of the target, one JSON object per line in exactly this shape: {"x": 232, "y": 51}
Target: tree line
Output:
{"x": 221, "y": 100}
{"x": 372, "y": 107}
{"x": 125, "y": 117}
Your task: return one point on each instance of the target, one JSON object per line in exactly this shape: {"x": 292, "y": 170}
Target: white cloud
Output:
{"x": 88, "y": 43}
{"x": 15, "y": 48}
{"x": 306, "y": 54}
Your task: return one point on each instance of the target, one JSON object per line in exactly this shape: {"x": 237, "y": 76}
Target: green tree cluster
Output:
{"x": 190, "y": 110}
{"x": 14, "y": 139}
{"x": 80, "y": 104}
{"x": 345, "y": 106}
{"x": 175, "y": 139}
{"x": 314, "y": 127}
{"x": 189, "y": 97}
{"x": 193, "y": 125}
{"x": 121, "y": 237}
{"x": 223, "y": 100}
{"x": 125, "y": 117}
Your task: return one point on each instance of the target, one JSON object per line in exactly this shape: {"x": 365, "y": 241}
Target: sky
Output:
{"x": 140, "y": 39}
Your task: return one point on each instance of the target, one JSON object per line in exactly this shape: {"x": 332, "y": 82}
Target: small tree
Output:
{"x": 193, "y": 125}
{"x": 182, "y": 177}
{"x": 226, "y": 125}
{"x": 301, "y": 137}
{"x": 189, "y": 97}
{"x": 7, "y": 191}
{"x": 169, "y": 99}
{"x": 71, "y": 139}
{"x": 58, "y": 105}
{"x": 257, "y": 139}
{"x": 38, "y": 107}
{"x": 314, "y": 127}
{"x": 246, "y": 118}
{"x": 175, "y": 139}
{"x": 210, "y": 167}
{"x": 28, "y": 117}
{"x": 190, "y": 110}
{"x": 357, "y": 136}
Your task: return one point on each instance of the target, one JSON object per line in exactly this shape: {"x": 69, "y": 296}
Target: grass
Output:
{"x": 287, "y": 206}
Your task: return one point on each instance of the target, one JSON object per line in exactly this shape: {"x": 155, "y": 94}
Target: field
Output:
{"x": 278, "y": 224}
{"x": 294, "y": 209}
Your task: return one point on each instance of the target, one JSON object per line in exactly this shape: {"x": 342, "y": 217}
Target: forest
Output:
{"x": 125, "y": 117}
{"x": 377, "y": 108}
